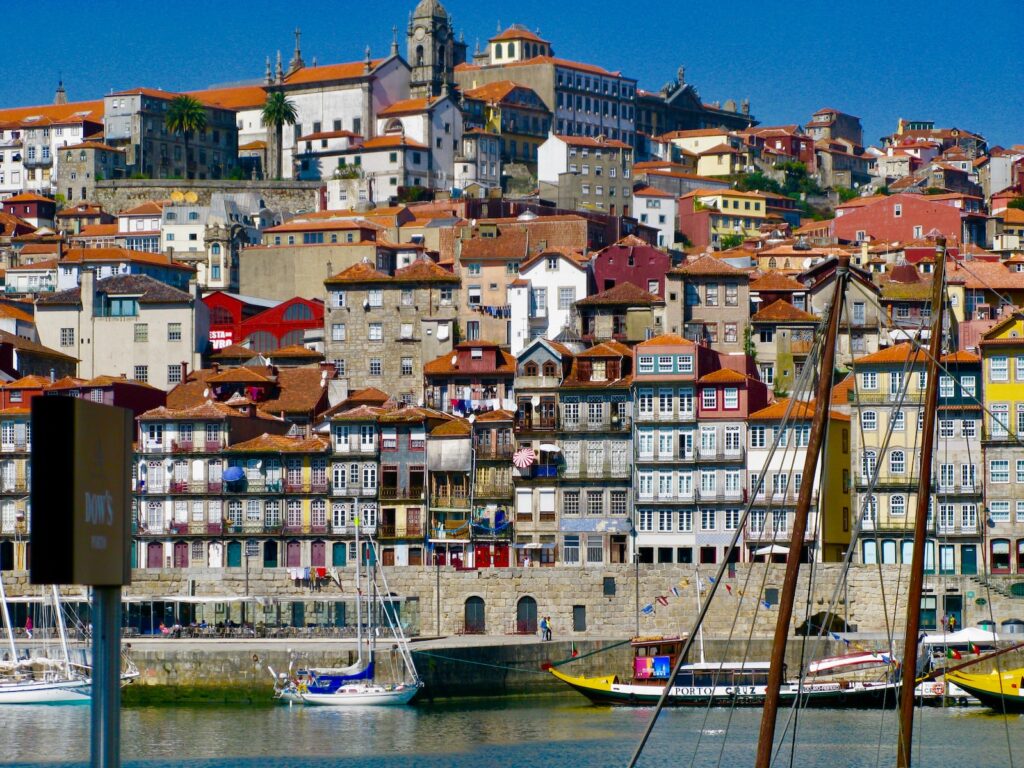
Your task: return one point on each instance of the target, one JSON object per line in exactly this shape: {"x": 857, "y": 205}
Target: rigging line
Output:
{"x": 802, "y": 382}
{"x": 1003, "y": 299}
{"x": 799, "y": 387}
{"x": 702, "y": 613}
{"x": 505, "y": 667}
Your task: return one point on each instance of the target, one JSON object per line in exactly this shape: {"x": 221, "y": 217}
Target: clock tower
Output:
{"x": 433, "y": 51}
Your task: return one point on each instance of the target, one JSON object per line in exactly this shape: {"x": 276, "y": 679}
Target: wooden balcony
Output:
{"x": 392, "y": 531}
{"x": 500, "y": 491}
{"x": 414, "y": 493}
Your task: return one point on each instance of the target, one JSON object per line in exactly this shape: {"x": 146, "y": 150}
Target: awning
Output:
{"x": 449, "y": 541}
{"x": 772, "y": 549}
{"x": 533, "y": 545}
{"x": 550, "y": 448}
{"x": 595, "y": 526}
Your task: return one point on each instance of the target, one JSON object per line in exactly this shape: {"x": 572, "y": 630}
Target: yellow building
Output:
{"x": 708, "y": 215}
{"x": 1002, "y": 351}
{"x": 512, "y": 111}
{"x": 15, "y": 448}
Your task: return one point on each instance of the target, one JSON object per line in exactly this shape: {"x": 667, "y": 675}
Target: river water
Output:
{"x": 544, "y": 732}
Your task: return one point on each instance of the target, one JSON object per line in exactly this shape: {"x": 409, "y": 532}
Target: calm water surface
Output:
{"x": 543, "y": 732}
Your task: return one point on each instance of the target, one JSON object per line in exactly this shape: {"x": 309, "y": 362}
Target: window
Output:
{"x": 570, "y": 502}
{"x": 375, "y": 297}
{"x": 947, "y": 428}
{"x": 375, "y": 366}
{"x": 618, "y": 502}
{"x": 897, "y": 462}
{"x": 730, "y": 332}
{"x": 141, "y": 373}
{"x": 999, "y": 511}
{"x": 869, "y": 421}
{"x": 566, "y": 297}
{"x": 999, "y": 470}
{"x": 1000, "y": 419}
{"x": 174, "y": 331}
{"x": 174, "y": 374}
{"x": 375, "y": 332}
{"x": 711, "y": 295}
{"x": 337, "y": 332}
{"x": 708, "y": 519}
{"x": 969, "y": 428}
{"x": 646, "y": 364}
{"x": 945, "y": 386}
{"x": 731, "y": 398}
{"x": 141, "y": 332}
{"x": 999, "y": 368}
{"x": 897, "y": 505}
{"x": 899, "y": 421}
{"x": 709, "y": 398}
{"x": 595, "y": 502}
{"x": 869, "y": 380}
{"x": 757, "y": 437}
{"x": 731, "y": 295}
{"x": 67, "y": 337}
{"x": 407, "y": 366}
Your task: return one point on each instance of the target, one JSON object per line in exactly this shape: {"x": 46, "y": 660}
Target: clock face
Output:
{"x": 420, "y": 32}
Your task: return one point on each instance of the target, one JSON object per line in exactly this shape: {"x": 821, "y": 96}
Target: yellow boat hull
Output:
{"x": 1001, "y": 692}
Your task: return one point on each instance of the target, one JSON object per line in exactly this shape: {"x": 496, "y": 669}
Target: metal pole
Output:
{"x": 7, "y": 622}
{"x": 437, "y": 593}
{"x": 908, "y": 686}
{"x": 106, "y": 677}
{"x": 766, "y": 738}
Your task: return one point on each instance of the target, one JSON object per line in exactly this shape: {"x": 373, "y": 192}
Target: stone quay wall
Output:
{"x": 608, "y": 595}
{"x": 121, "y": 194}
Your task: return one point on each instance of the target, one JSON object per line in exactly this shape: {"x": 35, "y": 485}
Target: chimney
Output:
{"x": 184, "y": 371}
{"x": 216, "y": 367}
{"x": 53, "y": 375}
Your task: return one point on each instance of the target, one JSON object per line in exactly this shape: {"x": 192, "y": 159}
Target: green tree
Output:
{"x": 277, "y": 111}
{"x": 725, "y": 242}
{"x": 186, "y": 116}
{"x": 758, "y": 182}
{"x": 846, "y": 194}
{"x": 1017, "y": 202}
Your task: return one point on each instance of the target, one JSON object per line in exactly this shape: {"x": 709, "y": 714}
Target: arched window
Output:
{"x": 292, "y": 338}
{"x": 897, "y": 462}
{"x": 221, "y": 316}
{"x": 868, "y": 460}
{"x": 298, "y": 312}
{"x": 474, "y": 616}
{"x": 526, "y": 616}
{"x": 870, "y": 513}
{"x": 497, "y": 50}
{"x": 550, "y": 369}
{"x": 771, "y": 263}
{"x": 511, "y": 50}
{"x": 897, "y": 505}
{"x": 215, "y": 249}
{"x": 419, "y": 55}
{"x": 262, "y": 341}
{"x": 530, "y": 369}
{"x": 1000, "y": 555}
{"x": 440, "y": 57}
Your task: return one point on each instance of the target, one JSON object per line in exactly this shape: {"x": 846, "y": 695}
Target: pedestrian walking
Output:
{"x": 547, "y": 624}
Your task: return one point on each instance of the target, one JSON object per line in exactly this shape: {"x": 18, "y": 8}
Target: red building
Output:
{"x": 631, "y": 260}
{"x": 476, "y": 378}
{"x": 263, "y": 325}
{"x": 896, "y": 218}
{"x": 35, "y": 209}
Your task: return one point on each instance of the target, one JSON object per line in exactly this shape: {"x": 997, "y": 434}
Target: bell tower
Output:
{"x": 432, "y": 50}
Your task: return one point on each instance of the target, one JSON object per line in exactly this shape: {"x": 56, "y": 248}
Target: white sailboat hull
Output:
{"x": 46, "y": 692}
{"x": 363, "y": 696}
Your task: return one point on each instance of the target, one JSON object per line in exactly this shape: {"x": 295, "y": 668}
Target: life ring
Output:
{"x": 938, "y": 689}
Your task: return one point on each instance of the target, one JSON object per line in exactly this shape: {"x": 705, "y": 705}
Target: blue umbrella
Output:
{"x": 234, "y": 474}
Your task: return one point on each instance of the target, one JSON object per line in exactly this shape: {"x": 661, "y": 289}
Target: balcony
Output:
{"x": 539, "y": 424}
{"x": 500, "y": 491}
{"x": 318, "y": 486}
{"x": 787, "y": 499}
{"x": 412, "y": 494}
{"x": 392, "y": 531}
{"x": 615, "y": 424}
{"x": 778, "y": 534}
{"x": 539, "y": 472}
{"x": 908, "y": 481}
{"x": 455, "y": 498}
{"x": 341, "y": 530}
{"x": 494, "y": 452}
{"x": 293, "y": 487}
{"x": 720, "y": 455}
{"x": 18, "y": 486}
{"x": 153, "y": 446}
{"x": 670, "y": 497}
{"x": 178, "y": 528}
{"x": 214, "y": 529}
{"x": 955, "y": 530}
{"x": 738, "y": 496}
{"x": 212, "y": 446}
{"x": 686, "y": 457}
{"x": 665, "y": 416}
{"x": 972, "y": 489}
{"x": 607, "y": 470}
{"x": 181, "y": 446}
{"x": 885, "y": 398}
{"x": 38, "y": 161}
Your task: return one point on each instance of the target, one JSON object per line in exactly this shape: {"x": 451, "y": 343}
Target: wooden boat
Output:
{"x": 1001, "y": 692}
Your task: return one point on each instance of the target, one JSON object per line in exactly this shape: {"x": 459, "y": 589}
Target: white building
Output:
{"x": 657, "y": 209}
{"x": 478, "y": 164}
{"x": 542, "y": 298}
{"x": 131, "y": 325}
{"x": 138, "y": 228}
{"x": 434, "y": 122}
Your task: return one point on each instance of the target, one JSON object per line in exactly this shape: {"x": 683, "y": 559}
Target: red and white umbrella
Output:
{"x": 524, "y": 457}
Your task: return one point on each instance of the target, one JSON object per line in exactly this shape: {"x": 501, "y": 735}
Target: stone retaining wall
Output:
{"x": 121, "y": 194}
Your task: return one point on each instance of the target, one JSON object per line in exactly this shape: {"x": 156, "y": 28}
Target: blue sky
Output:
{"x": 880, "y": 60}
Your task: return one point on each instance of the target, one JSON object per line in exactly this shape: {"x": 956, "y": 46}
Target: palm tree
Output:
{"x": 186, "y": 115}
{"x": 277, "y": 111}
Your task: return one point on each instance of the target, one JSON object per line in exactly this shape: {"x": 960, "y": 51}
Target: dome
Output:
{"x": 430, "y": 8}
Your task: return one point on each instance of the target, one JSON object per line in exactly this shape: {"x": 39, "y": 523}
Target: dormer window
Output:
{"x": 552, "y": 263}
{"x": 530, "y": 369}
{"x": 550, "y": 369}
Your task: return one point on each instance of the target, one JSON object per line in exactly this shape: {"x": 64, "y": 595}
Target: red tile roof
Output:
{"x": 900, "y": 353}
{"x": 782, "y": 311}
{"x": 391, "y": 142}
{"x": 773, "y": 282}
{"x": 512, "y": 33}
{"x": 723, "y": 376}
{"x": 666, "y": 340}
{"x": 619, "y": 295}
{"x": 709, "y": 265}
{"x": 346, "y": 71}
{"x": 588, "y": 141}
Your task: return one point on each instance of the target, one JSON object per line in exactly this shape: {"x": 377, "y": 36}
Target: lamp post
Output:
{"x": 636, "y": 577}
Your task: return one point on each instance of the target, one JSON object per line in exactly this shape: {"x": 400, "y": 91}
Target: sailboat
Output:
{"x": 354, "y": 685}
{"x": 40, "y": 679}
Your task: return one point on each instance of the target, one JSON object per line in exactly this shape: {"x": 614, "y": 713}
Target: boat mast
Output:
{"x": 766, "y": 739}
{"x": 700, "y": 629}
{"x": 61, "y": 629}
{"x": 359, "y": 600}
{"x": 924, "y": 492}
{"x": 7, "y": 623}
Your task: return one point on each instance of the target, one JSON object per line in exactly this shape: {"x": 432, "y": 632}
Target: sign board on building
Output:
{"x": 81, "y": 461}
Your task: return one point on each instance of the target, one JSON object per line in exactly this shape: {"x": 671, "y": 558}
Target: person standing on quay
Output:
{"x": 28, "y": 627}
{"x": 544, "y": 628}
{"x": 547, "y": 627}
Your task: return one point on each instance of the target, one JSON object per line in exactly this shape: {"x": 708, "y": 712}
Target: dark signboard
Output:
{"x": 81, "y": 477}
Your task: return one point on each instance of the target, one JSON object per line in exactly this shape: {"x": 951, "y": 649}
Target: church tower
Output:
{"x": 433, "y": 52}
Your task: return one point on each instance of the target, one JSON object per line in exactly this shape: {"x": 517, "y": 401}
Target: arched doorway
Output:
{"x": 293, "y": 554}
{"x": 473, "y": 621}
{"x": 339, "y": 553}
{"x": 234, "y": 554}
{"x": 318, "y": 554}
{"x": 270, "y": 554}
{"x": 181, "y": 554}
{"x": 526, "y": 616}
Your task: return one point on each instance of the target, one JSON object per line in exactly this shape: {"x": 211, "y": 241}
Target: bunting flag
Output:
{"x": 711, "y": 580}
{"x": 575, "y": 653}
{"x": 975, "y": 649}
{"x": 675, "y": 591}
{"x": 662, "y": 600}
{"x": 684, "y": 583}
{"x": 766, "y": 604}
{"x": 647, "y": 609}
{"x": 728, "y": 588}
{"x": 835, "y": 636}
{"x": 953, "y": 653}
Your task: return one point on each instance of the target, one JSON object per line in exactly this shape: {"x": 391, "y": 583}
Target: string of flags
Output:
{"x": 676, "y": 591}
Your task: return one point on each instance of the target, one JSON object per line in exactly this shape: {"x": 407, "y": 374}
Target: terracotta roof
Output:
{"x": 300, "y": 391}
{"x": 149, "y": 207}
{"x": 67, "y": 382}
{"x": 773, "y": 282}
{"x": 368, "y": 395}
{"x": 453, "y": 428}
{"x": 361, "y": 272}
{"x": 391, "y": 142}
{"x": 29, "y": 382}
{"x": 651, "y": 192}
{"x": 709, "y": 265}
{"x": 97, "y": 230}
{"x": 777, "y": 410}
{"x": 961, "y": 356}
{"x": 841, "y": 391}
{"x": 782, "y": 311}
{"x": 620, "y": 294}
{"x": 302, "y": 224}
{"x": 723, "y": 376}
{"x": 106, "y": 381}
{"x": 327, "y": 72}
{"x": 81, "y": 255}
{"x": 267, "y": 443}
{"x": 512, "y": 33}
{"x": 411, "y": 414}
{"x": 24, "y": 345}
{"x": 721, "y": 149}
{"x": 233, "y": 97}
{"x": 665, "y": 340}
{"x": 551, "y": 60}
{"x": 327, "y": 135}
{"x": 505, "y": 364}
{"x": 10, "y": 310}
{"x": 987, "y": 275}
{"x": 900, "y": 353}
{"x": 569, "y": 255}
{"x": 295, "y": 350}
{"x": 496, "y": 91}
{"x": 358, "y": 413}
{"x": 35, "y": 249}
{"x": 234, "y": 352}
{"x": 588, "y": 141}
{"x": 148, "y": 289}
{"x": 27, "y": 197}
{"x": 240, "y": 375}
{"x": 257, "y": 144}
{"x": 406, "y": 107}
{"x": 424, "y": 270}
{"x": 607, "y": 349}
{"x": 77, "y": 111}
{"x": 497, "y": 415}
{"x": 45, "y": 264}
